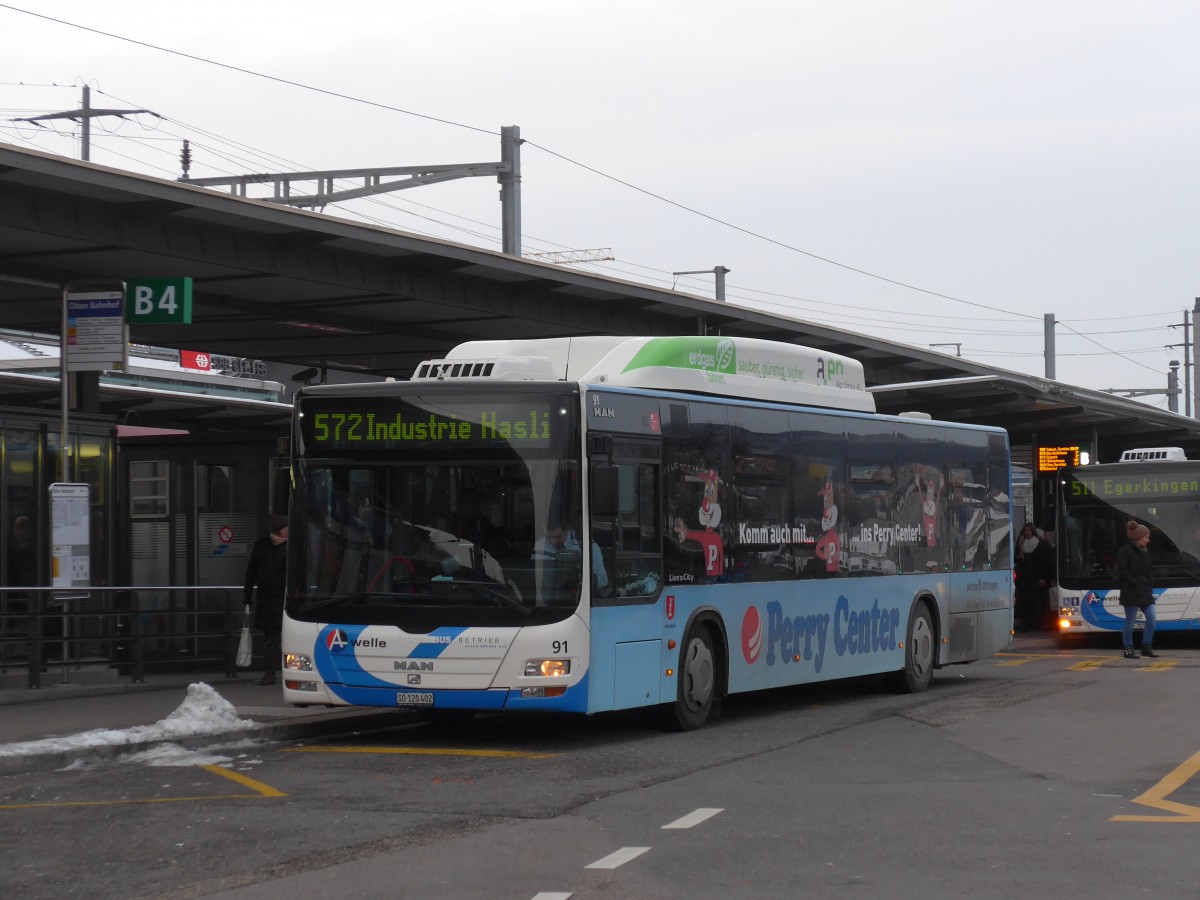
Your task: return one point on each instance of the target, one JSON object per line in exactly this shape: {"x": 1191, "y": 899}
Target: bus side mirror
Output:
{"x": 606, "y": 495}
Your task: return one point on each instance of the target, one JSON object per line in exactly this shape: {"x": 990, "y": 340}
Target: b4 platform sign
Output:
{"x": 158, "y": 301}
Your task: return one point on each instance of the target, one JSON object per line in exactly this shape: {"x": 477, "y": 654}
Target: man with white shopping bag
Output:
{"x": 267, "y": 570}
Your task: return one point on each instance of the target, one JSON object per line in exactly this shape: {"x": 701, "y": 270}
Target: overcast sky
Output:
{"x": 930, "y": 172}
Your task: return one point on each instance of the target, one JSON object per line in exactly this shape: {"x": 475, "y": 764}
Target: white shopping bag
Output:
{"x": 244, "y": 650}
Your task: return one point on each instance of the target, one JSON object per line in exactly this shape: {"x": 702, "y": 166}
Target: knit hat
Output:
{"x": 278, "y": 523}
{"x": 1136, "y": 531}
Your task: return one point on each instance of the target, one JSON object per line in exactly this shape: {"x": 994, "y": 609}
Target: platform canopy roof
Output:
{"x": 309, "y": 290}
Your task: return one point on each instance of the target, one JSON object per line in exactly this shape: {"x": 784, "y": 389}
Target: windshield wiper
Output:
{"x": 1177, "y": 569}
{"x": 356, "y": 597}
{"x": 505, "y": 598}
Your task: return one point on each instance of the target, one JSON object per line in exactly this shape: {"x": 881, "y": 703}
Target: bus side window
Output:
{"x": 638, "y": 564}
{"x": 762, "y": 545}
{"x": 630, "y": 544}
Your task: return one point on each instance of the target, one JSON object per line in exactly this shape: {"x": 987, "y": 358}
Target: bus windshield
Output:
{"x": 436, "y": 511}
{"x": 1097, "y": 509}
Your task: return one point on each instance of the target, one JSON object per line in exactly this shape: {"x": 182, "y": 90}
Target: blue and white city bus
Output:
{"x": 604, "y": 523}
{"x": 1156, "y": 486}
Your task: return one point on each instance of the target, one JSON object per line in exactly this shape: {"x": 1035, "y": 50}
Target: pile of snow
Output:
{"x": 203, "y": 711}
{"x": 174, "y": 755}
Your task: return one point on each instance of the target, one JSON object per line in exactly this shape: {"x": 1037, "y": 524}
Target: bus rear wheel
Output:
{"x": 697, "y": 674}
{"x": 919, "y": 652}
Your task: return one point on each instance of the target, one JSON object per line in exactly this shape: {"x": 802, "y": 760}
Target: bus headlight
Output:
{"x": 549, "y": 668}
{"x": 1068, "y": 618}
{"x": 297, "y": 662}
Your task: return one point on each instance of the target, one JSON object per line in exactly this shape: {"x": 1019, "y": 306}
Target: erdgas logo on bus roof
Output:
{"x": 719, "y": 357}
{"x": 753, "y": 359}
{"x": 725, "y": 355}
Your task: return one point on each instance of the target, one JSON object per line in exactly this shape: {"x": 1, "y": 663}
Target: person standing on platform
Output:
{"x": 1136, "y": 583}
{"x": 267, "y": 570}
{"x": 1034, "y": 571}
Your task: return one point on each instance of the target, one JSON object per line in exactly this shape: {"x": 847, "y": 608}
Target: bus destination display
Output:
{"x": 368, "y": 424}
{"x": 1111, "y": 487}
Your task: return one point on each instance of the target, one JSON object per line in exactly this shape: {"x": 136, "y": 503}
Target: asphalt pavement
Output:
{"x": 53, "y": 714}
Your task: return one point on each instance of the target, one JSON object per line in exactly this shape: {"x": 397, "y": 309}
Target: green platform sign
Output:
{"x": 158, "y": 301}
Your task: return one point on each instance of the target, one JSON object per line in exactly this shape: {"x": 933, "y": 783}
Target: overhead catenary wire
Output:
{"x": 921, "y": 326}
{"x": 244, "y": 71}
{"x": 823, "y": 305}
{"x": 528, "y": 143}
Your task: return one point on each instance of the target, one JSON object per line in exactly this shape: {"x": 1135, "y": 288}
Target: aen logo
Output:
{"x": 829, "y": 369}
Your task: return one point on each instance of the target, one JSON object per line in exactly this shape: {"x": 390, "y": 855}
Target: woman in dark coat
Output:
{"x": 1034, "y": 571}
{"x": 267, "y": 570}
{"x": 1137, "y": 587}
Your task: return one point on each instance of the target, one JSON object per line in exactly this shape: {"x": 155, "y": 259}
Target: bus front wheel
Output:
{"x": 919, "y": 652}
{"x": 697, "y": 674}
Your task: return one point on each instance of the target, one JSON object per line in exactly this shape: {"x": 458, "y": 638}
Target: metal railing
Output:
{"x": 129, "y": 628}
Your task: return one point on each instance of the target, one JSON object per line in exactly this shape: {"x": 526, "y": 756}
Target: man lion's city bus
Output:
{"x": 603, "y": 523}
{"x": 1158, "y": 487}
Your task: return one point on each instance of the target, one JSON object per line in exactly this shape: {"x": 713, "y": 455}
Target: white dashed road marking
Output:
{"x": 625, "y": 854}
{"x": 694, "y": 818}
{"x": 622, "y": 856}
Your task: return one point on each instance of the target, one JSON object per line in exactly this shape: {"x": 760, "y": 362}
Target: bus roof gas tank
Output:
{"x": 1154, "y": 454}
{"x": 495, "y": 368}
{"x": 727, "y": 366}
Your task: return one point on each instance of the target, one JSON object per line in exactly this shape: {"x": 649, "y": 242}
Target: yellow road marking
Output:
{"x": 258, "y": 787}
{"x": 1094, "y": 663}
{"x": 1161, "y": 666}
{"x": 1021, "y": 660}
{"x": 1016, "y": 659}
{"x": 123, "y": 802}
{"x": 1156, "y": 797}
{"x": 425, "y": 751}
